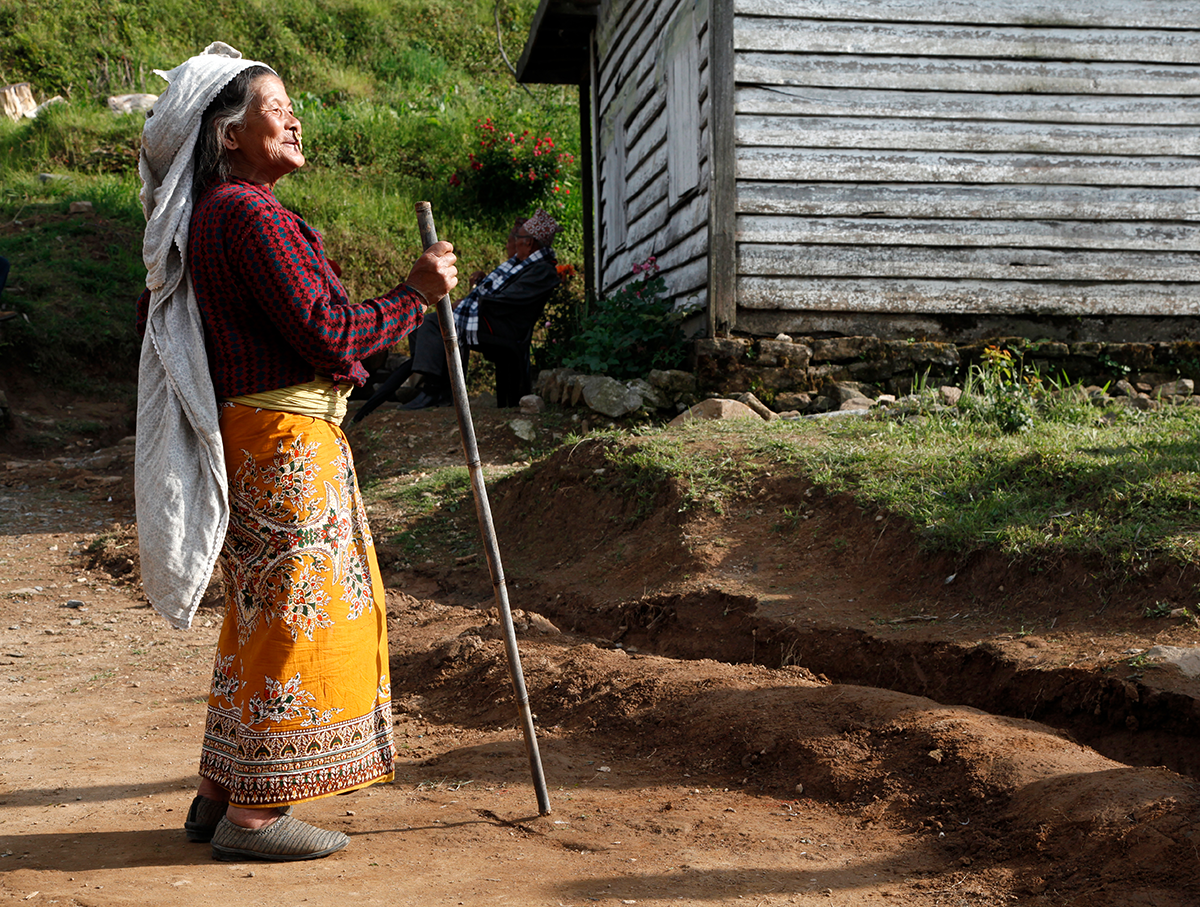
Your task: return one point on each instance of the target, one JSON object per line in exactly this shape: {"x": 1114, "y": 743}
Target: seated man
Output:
{"x": 496, "y": 317}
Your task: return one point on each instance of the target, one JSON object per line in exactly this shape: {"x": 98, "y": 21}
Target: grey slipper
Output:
{"x": 287, "y": 838}
{"x": 202, "y": 818}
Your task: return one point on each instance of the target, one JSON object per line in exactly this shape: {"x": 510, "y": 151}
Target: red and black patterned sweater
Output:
{"x": 275, "y": 314}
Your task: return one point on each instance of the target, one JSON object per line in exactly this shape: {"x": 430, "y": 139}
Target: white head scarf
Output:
{"x": 179, "y": 468}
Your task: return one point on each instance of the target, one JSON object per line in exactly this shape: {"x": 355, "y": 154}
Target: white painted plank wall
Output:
{"x": 960, "y": 201}
{"x": 1032, "y": 13}
{"x": 941, "y": 157}
{"x": 922, "y": 74}
{"x": 780, "y": 35}
{"x": 1024, "y": 109}
{"x": 966, "y": 296}
{"x": 631, "y": 86}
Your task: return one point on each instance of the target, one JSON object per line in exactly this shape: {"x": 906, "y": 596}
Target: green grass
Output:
{"x": 1125, "y": 489}
{"x": 705, "y": 475}
{"x": 437, "y": 512}
{"x": 75, "y": 278}
{"x": 389, "y": 92}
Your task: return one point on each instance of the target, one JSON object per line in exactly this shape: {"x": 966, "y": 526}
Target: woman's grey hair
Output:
{"x": 227, "y": 111}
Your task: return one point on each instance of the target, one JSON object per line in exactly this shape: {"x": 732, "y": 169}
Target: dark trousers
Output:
{"x": 429, "y": 359}
{"x": 429, "y": 351}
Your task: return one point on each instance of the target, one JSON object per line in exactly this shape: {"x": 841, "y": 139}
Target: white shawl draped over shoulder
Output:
{"x": 179, "y": 467}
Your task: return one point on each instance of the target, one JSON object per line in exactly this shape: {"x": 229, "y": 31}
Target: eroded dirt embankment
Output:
{"x": 850, "y": 598}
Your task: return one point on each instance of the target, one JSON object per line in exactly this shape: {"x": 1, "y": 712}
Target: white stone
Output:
{"x": 523, "y": 429}
{"x": 131, "y": 103}
{"x": 716, "y": 408}
{"x": 1187, "y": 660}
{"x": 17, "y": 101}
{"x": 57, "y": 99}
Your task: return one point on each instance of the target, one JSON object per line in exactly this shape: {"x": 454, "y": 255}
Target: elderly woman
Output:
{"x": 250, "y": 350}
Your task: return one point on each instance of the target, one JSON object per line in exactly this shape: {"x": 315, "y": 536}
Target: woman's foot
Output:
{"x": 207, "y": 809}
{"x": 254, "y": 819}
{"x": 202, "y": 818}
{"x": 210, "y": 790}
{"x": 283, "y": 838}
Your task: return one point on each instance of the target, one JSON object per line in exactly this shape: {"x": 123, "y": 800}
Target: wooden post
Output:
{"x": 722, "y": 164}
{"x": 458, "y": 385}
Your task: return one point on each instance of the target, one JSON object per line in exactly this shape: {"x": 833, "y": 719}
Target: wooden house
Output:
{"x": 937, "y": 168}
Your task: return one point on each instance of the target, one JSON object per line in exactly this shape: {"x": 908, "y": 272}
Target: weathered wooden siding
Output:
{"x": 653, "y": 198}
{"x": 929, "y": 157}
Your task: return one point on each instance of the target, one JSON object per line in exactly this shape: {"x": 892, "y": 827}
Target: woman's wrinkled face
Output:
{"x": 267, "y": 146}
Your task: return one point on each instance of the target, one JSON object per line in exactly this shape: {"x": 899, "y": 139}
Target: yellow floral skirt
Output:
{"x": 300, "y": 706}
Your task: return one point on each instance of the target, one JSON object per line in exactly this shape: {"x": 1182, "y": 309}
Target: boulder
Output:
{"x": 551, "y": 383}
{"x": 531, "y": 405}
{"x": 840, "y": 392}
{"x": 757, "y": 405}
{"x": 609, "y": 396}
{"x": 1180, "y": 387}
{"x": 950, "y": 395}
{"x": 722, "y": 348}
{"x": 572, "y": 394}
{"x": 1187, "y": 660}
{"x": 651, "y": 396}
{"x": 907, "y": 354}
{"x": 855, "y": 404}
{"x": 1050, "y": 350}
{"x": 131, "y": 103}
{"x": 674, "y": 383}
{"x": 784, "y": 354}
{"x": 715, "y": 408}
{"x": 839, "y": 348}
{"x": 17, "y": 101}
{"x": 792, "y": 402}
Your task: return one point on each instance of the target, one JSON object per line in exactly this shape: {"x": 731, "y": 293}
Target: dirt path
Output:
{"x": 698, "y": 778}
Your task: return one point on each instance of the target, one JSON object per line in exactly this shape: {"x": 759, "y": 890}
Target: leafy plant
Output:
{"x": 1158, "y": 609}
{"x": 1000, "y": 390}
{"x": 635, "y": 330}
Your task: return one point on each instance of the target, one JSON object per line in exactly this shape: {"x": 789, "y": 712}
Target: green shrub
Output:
{"x": 635, "y": 330}
{"x": 509, "y": 173}
{"x": 1000, "y": 390}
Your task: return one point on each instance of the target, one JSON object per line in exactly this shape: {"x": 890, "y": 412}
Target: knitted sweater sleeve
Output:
{"x": 283, "y": 265}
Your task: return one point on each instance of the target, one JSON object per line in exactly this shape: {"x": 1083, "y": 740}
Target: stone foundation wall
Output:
{"x": 781, "y": 370}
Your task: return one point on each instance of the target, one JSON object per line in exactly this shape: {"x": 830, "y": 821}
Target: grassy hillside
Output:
{"x": 391, "y": 93}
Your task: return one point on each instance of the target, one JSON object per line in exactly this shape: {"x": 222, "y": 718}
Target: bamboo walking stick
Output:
{"x": 458, "y": 385}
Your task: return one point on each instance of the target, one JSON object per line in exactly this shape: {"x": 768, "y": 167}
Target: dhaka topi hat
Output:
{"x": 542, "y": 227}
